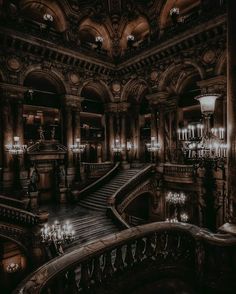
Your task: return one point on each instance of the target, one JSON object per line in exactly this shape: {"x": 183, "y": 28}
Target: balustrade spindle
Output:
{"x": 108, "y": 269}
{"x": 119, "y": 263}
{"x": 139, "y": 252}
{"x": 129, "y": 258}
{"x": 85, "y": 280}
{"x": 97, "y": 271}
{"x": 72, "y": 287}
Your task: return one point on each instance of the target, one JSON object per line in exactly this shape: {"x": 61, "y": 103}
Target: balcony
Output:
{"x": 92, "y": 134}
{"x": 178, "y": 173}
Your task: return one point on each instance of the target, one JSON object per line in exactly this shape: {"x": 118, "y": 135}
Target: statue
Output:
{"x": 34, "y": 180}
{"x": 41, "y": 133}
{"x": 53, "y": 133}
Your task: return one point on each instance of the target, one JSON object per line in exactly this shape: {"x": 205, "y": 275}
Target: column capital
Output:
{"x": 157, "y": 98}
{"x": 117, "y": 107}
{"x": 213, "y": 85}
{"x": 73, "y": 101}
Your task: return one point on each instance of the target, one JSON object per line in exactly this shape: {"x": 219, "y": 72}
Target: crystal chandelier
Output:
{"x": 153, "y": 146}
{"x": 117, "y": 147}
{"x": 176, "y": 198}
{"x": 77, "y": 147}
{"x": 200, "y": 141}
{"x": 16, "y": 148}
{"x": 57, "y": 234}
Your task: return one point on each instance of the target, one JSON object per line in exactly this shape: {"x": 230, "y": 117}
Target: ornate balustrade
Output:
{"x": 140, "y": 252}
{"x": 178, "y": 173}
{"x": 95, "y": 169}
{"x": 116, "y": 199}
{"x": 17, "y": 215}
{"x": 14, "y": 202}
{"x": 97, "y": 183}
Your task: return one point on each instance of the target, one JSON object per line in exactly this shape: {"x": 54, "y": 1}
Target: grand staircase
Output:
{"x": 88, "y": 217}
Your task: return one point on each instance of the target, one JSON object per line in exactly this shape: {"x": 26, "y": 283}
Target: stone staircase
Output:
{"x": 98, "y": 200}
{"x": 88, "y": 217}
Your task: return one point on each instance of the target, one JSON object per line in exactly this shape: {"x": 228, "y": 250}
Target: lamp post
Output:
{"x": 153, "y": 147}
{"x": 16, "y": 149}
{"x": 205, "y": 147}
{"x": 57, "y": 235}
{"x": 77, "y": 149}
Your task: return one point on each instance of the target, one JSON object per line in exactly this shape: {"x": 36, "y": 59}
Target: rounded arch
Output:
{"x": 221, "y": 64}
{"x": 178, "y": 73}
{"x": 53, "y": 75}
{"x": 35, "y": 9}
{"x": 134, "y": 90}
{"x": 89, "y": 30}
{"x": 139, "y": 28}
{"x": 99, "y": 87}
{"x": 185, "y": 8}
{"x": 7, "y": 237}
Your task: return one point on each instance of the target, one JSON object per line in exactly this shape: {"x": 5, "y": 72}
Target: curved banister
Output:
{"x": 151, "y": 234}
{"x": 126, "y": 188}
{"x": 100, "y": 181}
{"x": 18, "y": 215}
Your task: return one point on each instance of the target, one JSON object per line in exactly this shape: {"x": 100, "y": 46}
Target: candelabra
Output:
{"x": 16, "y": 149}
{"x": 12, "y": 268}
{"x": 56, "y": 235}
{"x": 153, "y": 147}
{"x": 174, "y": 14}
{"x": 77, "y": 149}
{"x": 205, "y": 147}
{"x": 176, "y": 201}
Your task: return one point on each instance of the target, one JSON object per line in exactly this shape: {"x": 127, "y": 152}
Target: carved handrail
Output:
{"x": 13, "y": 202}
{"x": 94, "y": 167}
{"x": 100, "y": 181}
{"x": 17, "y": 215}
{"x": 163, "y": 242}
{"x": 117, "y": 198}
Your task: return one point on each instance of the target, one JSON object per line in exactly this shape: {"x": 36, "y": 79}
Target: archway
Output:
{"x": 93, "y": 95}
{"x": 139, "y": 210}
{"x": 43, "y": 130}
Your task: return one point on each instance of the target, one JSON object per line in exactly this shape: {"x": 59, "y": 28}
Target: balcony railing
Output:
{"x": 178, "y": 173}
{"x": 144, "y": 249}
{"x": 123, "y": 192}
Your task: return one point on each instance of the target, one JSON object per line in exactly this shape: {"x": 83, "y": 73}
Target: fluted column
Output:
{"x": 7, "y": 118}
{"x": 153, "y": 121}
{"x": 136, "y": 132}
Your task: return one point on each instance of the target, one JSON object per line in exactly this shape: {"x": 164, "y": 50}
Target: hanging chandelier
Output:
{"x": 153, "y": 146}
{"x": 176, "y": 198}
{"x": 56, "y": 233}
{"x": 16, "y": 148}
{"x": 77, "y": 147}
{"x": 200, "y": 141}
{"x": 117, "y": 146}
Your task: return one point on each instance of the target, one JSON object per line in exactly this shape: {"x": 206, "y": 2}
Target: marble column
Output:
{"x": 124, "y": 136}
{"x": 231, "y": 103}
{"x": 153, "y": 121}
{"x": 77, "y": 133}
{"x": 69, "y": 133}
{"x": 111, "y": 135}
{"x": 136, "y": 132}
{"x": 161, "y": 133}
{"x": 104, "y": 151}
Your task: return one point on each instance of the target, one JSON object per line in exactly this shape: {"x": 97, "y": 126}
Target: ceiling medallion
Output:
{"x": 14, "y": 63}
{"x": 74, "y": 78}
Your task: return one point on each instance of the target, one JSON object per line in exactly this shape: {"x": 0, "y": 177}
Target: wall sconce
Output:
{"x": 12, "y": 268}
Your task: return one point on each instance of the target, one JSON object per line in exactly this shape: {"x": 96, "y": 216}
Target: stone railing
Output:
{"x": 117, "y": 198}
{"x": 17, "y": 215}
{"x": 96, "y": 169}
{"x": 14, "y": 202}
{"x": 95, "y": 185}
{"x": 178, "y": 173}
{"x": 142, "y": 251}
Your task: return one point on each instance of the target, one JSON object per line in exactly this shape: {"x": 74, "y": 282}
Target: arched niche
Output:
{"x": 89, "y": 30}
{"x": 138, "y": 28}
{"x": 42, "y": 105}
{"x": 186, "y": 8}
{"x": 35, "y": 10}
{"x": 140, "y": 208}
{"x": 94, "y": 96}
